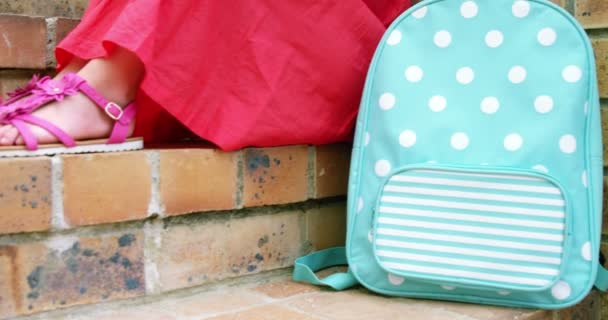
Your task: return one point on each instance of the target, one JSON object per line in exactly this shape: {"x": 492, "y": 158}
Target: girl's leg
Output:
{"x": 117, "y": 78}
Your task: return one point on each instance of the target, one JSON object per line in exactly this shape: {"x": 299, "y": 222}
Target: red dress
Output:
{"x": 241, "y": 73}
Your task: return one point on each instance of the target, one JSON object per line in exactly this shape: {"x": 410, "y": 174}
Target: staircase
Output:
{"x": 190, "y": 232}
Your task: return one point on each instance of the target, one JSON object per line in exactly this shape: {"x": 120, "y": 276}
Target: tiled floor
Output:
{"x": 278, "y": 299}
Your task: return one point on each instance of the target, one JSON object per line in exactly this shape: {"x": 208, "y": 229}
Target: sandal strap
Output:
{"x": 122, "y": 115}
{"x": 61, "y": 135}
{"x": 31, "y": 143}
{"x": 112, "y": 109}
{"x": 120, "y": 132}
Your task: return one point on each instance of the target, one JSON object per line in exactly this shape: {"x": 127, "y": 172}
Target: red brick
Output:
{"x": 275, "y": 175}
{"x": 63, "y": 272}
{"x": 8, "y": 297}
{"x": 25, "y": 195}
{"x": 64, "y": 27}
{"x": 197, "y": 180}
{"x": 592, "y": 13}
{"x": 199, "y": 249}
{"x": 327, "y": 226}
{"x": 12, "y": 79}
{"x": 331, "y": 172}
{"x": 104, "y": 188}
{"x": 23, "y": 43}
{"x": 600, "y": 47}
{"x": 561, "y": 3}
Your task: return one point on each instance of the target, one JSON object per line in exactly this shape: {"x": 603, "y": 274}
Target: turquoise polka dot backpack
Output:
{"x": 476, "y": 171}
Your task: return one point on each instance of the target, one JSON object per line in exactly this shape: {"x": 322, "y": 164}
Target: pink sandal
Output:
{"x": 17, "y": 111}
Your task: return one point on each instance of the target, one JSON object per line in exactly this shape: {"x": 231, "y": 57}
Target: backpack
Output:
{"x": 476, "y": 171}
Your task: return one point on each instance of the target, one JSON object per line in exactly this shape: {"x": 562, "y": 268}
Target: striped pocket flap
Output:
{"x": 489, "y": 229}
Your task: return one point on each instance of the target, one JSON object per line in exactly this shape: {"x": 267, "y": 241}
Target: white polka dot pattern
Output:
{"x": 414, "y": 74}
{"x": 420, "y": 13}
{"x": 407, "y": 138}
{"x": 567, "y": 143}
{"x": 395, "y": 280}
{"x": 572, "y": 74}
{"x": 521, "y": 9}
{"x": 465, "y": 75}
{"x": 490, "y": 105}
{"x": 469, "y": 9}
{"x": 383, "y": 167}
{"x": 494, "y": 39}
{"x": 546, "y": 37}
{"x": 394, "y": 38}
{"x": 517, "y": 74}
{"x": 442, "y": 39}
{"x": 460, "y": 141}
{"x": 387, "y": 101}
{"x": 586, "y": 251}
{"x": 513, "y": 142}
{"x": 437, "y": 103}
{"x": 561, "y": 290}
{"x": 543, "y": 104}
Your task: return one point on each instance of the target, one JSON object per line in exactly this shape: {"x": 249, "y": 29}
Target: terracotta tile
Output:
{"x": 209, "y": 303}
{"x": 483, "y": 312}
{"x": 66, "y": 271}
{"x": 331, "y": 170}
{"x": 197, "y": 180}
{"x": 132, "y": 313}
{"x": 600, "y": 47}
{"x": 24, "y": 42}
{"x": 327, "y": 226}
{"x": 285, "y": 289}
{"x": 199, "y": 249}
{"x": 360, "y": 304}
{"x": 270, "y": 312}
{"x": 592, "y": 13}
{"x": 103, "y": 188}
{"x": 275, "y": 175}
{"x": 25, "y": 195}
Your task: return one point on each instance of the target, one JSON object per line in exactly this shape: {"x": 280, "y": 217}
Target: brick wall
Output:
{"x": 82, "y": 229}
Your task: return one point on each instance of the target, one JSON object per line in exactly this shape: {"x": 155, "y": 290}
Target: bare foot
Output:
{"x": 116, "y": 78}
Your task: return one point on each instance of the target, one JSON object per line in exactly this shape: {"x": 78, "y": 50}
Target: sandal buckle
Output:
{"x": 110, "y": 107}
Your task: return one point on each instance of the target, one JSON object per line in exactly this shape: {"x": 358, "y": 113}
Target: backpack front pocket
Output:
{"x": 483, "y": 227}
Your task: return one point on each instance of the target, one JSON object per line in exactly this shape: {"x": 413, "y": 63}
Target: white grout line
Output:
{"x": 155, "y": 206}
{"x": 152, "y": 244}
{"x": 57, "y": 218}
{"x": 51, "y": 41}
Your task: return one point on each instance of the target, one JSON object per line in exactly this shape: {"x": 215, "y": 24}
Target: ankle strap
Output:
{"x": 112, "y": 109}
{"x": 122, "y": 115}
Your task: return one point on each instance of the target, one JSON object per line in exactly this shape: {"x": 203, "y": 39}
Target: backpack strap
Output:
{"x": 601, "y": 281}
{"x": 306, "y": 266}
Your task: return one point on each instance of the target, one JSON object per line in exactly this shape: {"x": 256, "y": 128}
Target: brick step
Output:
{"x": 82, "y": 229}
{"x": 272, "y": 296}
